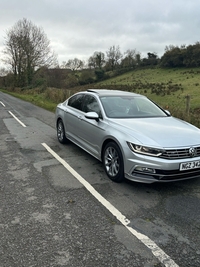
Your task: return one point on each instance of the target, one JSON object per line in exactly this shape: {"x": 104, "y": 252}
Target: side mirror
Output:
{"x": 92, "y": 116}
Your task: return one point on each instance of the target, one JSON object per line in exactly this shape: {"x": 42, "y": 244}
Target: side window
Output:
{"x": 91, "y": 104}
{"x": 76, "y": 101}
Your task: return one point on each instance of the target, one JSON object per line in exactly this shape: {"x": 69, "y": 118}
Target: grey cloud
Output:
{"x": 79, "y": 28}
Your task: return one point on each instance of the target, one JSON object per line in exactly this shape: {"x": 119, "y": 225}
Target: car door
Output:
{"x": 91, "y": 130}
{"x": 72, "y": 116}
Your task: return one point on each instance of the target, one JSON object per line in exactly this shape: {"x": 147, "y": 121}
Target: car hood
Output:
{"x": 165, "y": 132}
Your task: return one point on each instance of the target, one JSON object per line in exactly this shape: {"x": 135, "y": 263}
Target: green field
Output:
{"x": 170, "y": 88}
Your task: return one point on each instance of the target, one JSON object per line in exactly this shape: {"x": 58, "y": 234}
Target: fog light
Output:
{"x": 144, "y": 169}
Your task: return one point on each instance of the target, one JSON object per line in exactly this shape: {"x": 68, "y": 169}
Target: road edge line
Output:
{"x": 157, "y": 252}
{"x": 16, "y": 119}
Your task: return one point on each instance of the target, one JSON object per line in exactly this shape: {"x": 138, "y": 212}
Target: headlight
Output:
{"x": 150, "y": 151}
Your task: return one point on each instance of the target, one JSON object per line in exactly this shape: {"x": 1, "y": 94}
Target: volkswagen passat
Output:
{"x": 132, "y": 136}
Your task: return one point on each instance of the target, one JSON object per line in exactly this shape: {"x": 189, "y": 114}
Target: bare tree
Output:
{"x": 63, "y": 65}
{"x": 27, "y": 48}
{"x": 114, "y": 56}
{"x": 97, "y": 60}
{"x": 138, "y": 58}
{"x": 92, "y": 62}
{"x": 74, "y": 64}
{"x": 129, "y": 60}
{"x": 3, "y": 72}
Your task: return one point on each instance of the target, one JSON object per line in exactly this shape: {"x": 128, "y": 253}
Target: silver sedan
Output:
{"x": 132, "y": 136}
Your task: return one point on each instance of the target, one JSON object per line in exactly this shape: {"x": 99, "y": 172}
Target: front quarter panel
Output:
{"x": 59, "y": 112}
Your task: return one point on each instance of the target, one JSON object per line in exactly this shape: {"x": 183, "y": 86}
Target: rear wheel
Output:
{"x": 61, "y": 132}
{"x": 113, "y": 162}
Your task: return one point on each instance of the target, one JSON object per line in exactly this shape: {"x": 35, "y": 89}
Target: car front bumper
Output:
{"x": 148, "y": 169}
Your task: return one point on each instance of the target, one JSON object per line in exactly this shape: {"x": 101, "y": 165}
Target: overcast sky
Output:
{"x": 78, "y": 28}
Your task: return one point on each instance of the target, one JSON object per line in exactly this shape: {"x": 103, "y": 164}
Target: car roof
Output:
{"x": 108, "y": 92}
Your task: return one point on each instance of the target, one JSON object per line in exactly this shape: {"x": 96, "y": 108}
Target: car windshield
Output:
{"x": 130, "y": 107}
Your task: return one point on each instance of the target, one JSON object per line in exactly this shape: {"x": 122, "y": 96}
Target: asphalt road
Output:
{"x": 48, "y": 217}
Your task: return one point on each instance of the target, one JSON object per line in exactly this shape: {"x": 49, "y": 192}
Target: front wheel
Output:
{"x": 61, "y": 132}
{"x": 113, "y": 162}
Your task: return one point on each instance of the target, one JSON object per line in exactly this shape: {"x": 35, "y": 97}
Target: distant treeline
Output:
{"x": 184, "y": 56}
{"x": 33, "y": 64}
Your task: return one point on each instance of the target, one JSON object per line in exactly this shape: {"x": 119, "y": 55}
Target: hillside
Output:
{"x": 167, "y": 87}
{"x": 177, "y": 90}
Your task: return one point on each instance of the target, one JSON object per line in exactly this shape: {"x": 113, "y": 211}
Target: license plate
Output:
{"x": 190, "y": 165}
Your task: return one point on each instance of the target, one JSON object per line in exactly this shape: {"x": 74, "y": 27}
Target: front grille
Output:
{"x": 182, "y": 153}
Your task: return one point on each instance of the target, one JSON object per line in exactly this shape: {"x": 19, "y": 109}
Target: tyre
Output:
{"x": 61, "y": 132}
{"x": 113, "y": 162}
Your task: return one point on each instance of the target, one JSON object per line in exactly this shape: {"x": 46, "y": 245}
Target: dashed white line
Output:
{"x": 157, "y": 252}
{"x": 17, "y": 119}
{"x": 2, "y": 104}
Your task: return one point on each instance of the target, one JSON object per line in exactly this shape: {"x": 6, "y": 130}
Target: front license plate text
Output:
{"x": 189, "y": 165}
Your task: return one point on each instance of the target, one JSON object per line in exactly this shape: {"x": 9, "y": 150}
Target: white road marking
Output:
{"x": 2, "y": 104}
{"x": 17, "y": 119}
{"x": 157, "y": 252}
